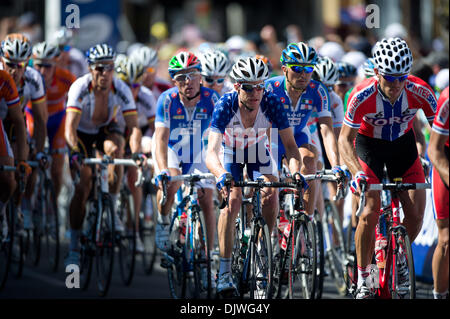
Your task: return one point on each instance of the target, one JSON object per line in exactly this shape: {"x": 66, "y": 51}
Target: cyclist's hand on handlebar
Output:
{"x": 425, "y": 165}
{"x": 355, "y": 184}
{"x": 23, "y": 168}
{"x": 163, "y": 175}
{"x": 140, "y": 159}
{"x": 224, "y": 182}
{"x": 301, "y": 179}
{"x": 76, "y": 160}
{"x": 42, "y": 158}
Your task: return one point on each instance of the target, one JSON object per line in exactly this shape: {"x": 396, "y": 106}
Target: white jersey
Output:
{"x": 32, "y": 89}
{"x": 81, "y": 100}
{"x": 337, "y": 109}
{"x": 146, "y": 108}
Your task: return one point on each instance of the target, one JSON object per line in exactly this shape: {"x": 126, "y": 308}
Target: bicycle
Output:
{"x": 398, "y": 242}
{"x": 45, "y": 221}
{"x": 188, "y": 262}
{"x": 99, "y": 238}
{"x": 301, "y": 257}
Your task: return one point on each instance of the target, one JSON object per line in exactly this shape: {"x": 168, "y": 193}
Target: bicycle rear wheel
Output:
{"x": 303, "y": 263}
{"x": 51, "y": 226}
{"x": 104, "y": 253}
{"x": 6, "y": 242}
{"x": 127, "y": 240}
{"x": 403, "y": 250}
{"x": 335, "y": 245}
{"x": 200, "y": 257}
{"x": 261, "y": 268}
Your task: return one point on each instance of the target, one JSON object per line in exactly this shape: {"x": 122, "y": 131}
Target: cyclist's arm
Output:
{"x": 16, "y": 116}
{"x": 437, "y": 155}
{"x": 346, "y": 149}
{"x": 329, "y": 139}
{"x": 420, "y": 138}
{"x": 212, "y": 155}
{"x": 292, "y": 153}
{"x": 40, "y": 116}
{"x": 131, "y": 122}
{"x": 161, "y": 138}
{"x": 71, "y": 125}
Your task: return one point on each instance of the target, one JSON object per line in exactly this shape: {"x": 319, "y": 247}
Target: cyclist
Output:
{"x": 10, "y": 102}
{"x": 347, "y": 76}
{"x": 149, "y": 58}
{"x": 240, "y": 121}
{"x": 57, "y": 83}
{"x": 93, "y": 100}
{"x": 438, "y": 151}
{"x": 215, "y": 67}
{"x": 300, "y": 96}
{"x": 182, "y": 118}
{"x": 379, "y": 115}
{"x": 16, "y": 51}
{"x": 131, "y": 72}
{"x": 70, "y": 58}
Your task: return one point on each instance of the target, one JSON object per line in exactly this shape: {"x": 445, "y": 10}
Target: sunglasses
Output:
{"x": 210, "y": 80}
{"x": 249, "y": 87}
{"x": 134, "y": 85}
{"x": 341, "y": 83}
{"x": 64, "y": 48}
{"x": 301, "y": 68}
{"x": 186, "y": 76}
{"x": 102, "y": 67}
{"x": 16, "y": 65}
{"x": 44, "y": 65}
{"x": 392, "y": 78}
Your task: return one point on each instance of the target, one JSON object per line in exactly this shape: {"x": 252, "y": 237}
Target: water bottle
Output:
{"x": 380, "y": 242}
{"x": 245, "y": 238}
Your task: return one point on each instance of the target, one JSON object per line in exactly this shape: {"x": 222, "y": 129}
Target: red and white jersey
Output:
{"x": 440, "y": 123}
{"x": 370, "y": 111}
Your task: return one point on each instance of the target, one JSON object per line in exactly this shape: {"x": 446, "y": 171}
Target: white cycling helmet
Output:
{"x": 45, "y": 51}
{"x": 249, "y": 70}
{"x": 326, "y": 71}
{"x": 214, "y": 63}
{"x": 392, "y": 56}
{"x": 16, "y": 47}
{"x": 148, "y": 56}
{"x": 129, "y": 70}
{"x": 100, "y": 53}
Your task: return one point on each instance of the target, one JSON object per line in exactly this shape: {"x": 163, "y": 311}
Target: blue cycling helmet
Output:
{"x": 346, "y": 69}
{"x": 298, "y": 53}
{"x": 100, "y": 53}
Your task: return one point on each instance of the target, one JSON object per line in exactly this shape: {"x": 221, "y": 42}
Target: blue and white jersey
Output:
{"x": 314, "y": 98}
{"x": 188, "y": 128}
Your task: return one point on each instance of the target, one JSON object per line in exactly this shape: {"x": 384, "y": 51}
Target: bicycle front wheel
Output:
{"x": 303, "y": 264}
{"x": 104, "y": 253}
{"x": 261, "y": 267}
{"x": 403, "y": 278}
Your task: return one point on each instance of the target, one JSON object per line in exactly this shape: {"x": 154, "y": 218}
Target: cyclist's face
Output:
{"x": 298, "y": 80}
{"x": 16, "y": 69}
{"x": 212, "y": 82}
{"x": 102, "y": 74}
{"x": 188, "y": 82}
{"x": 391, "y": 89}
{"x": 250, "y": 98}
{"x": 149, "y": 77}
{"x": 344, "y": 84}
{"x": 47, "y": 70}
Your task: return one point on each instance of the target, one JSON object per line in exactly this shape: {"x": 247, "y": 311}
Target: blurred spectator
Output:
{"x": 316, "y": 42}
{"x": 395, "y": 30}
{"x": 441, "y": 80}
{"x": 293, "y": 34}
{"x": 30, "y": 27}
{"x": 422, "y": 70}
{"x": 271, "y": 49}
{"x": 437, "y": 61}
{"x": 333, "y": 50}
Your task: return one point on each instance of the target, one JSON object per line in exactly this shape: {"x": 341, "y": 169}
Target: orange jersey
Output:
{"x": 9, "y": 96}
{"x": 57, "y": 92}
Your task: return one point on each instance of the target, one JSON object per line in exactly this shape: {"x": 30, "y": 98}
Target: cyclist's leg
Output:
{"x": 55, "y": 131}
{"x": 309, "y": 166}
{"x": 440, "y": 263}
{"x": 7, "y": 180}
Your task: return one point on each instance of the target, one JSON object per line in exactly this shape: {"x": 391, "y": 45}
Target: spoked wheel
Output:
{"x": 200, "y": 257}
{"x": 51, "y": 227}
{"x": 335, "y": 245}
{"x": 104, "y": 253}
{"x": 403, "y": 279}
{"x": 238, "y": 256}
{"x": 6, "y": 242}
{"x": 303, "y": 263}
{"x": 127, "y": 240}
{"x": 318, "y": 228}
{"x": 261, "y": 267}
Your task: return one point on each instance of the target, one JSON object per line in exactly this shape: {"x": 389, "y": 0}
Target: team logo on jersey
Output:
{"x": 423, "y": 92}
{"x": 379, "y": 115}
{"x": 174, "y": 95}
{"x": 206, "y": 94}
{"x": 312, "y": 85}
{"x": 388, "y": 121}
{"x": 277, "y": 84}
{"x": 286, "y": 106}
{"x": 178, "y": 117}
{"x": 179, "y": 111}
{"x": 201, "y": 116}
{"x": 282, "y": 99}
{"x": 357, "y": 99}
{"x": 443, "y": 115}
{"x": 202, "y": 110}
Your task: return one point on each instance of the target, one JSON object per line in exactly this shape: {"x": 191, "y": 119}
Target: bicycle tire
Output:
{"x": 176, "y": 275}
{"x": 87, "y": 244}
{"x": 104, "y": 252}
{"x": 127, "y": 240}
{"x": 336, "y": 253}
{"x": 238, "y": 255}
{"x": 201, "y": 260}
{"x": 18, "y": 249}
{"x": 403, "y": 241}
{"x": 51, "y": 226}
{"x": 148, "y": 237}
{"x": 303, "y": 263}
{"x": 317, "y": 224}
{"x": 6, "y": 243}
{"x": 260, "y": 279}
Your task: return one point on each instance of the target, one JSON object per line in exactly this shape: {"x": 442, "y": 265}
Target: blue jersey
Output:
{"x": 188, "y": 130}
{"x": 314, "y": 98}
